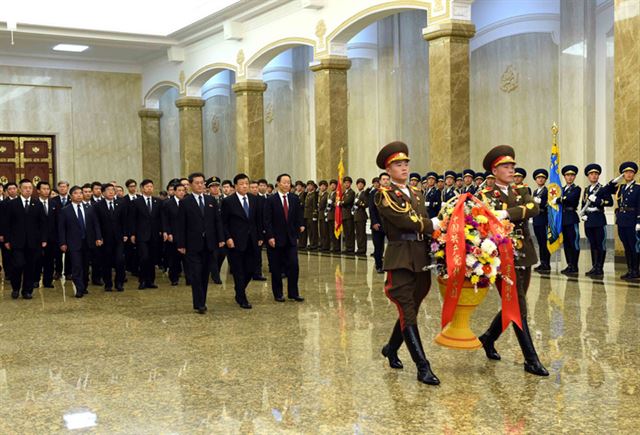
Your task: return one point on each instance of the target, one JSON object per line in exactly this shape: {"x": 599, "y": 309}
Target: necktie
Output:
{"x": 81, "y": 220}
{"x": 245, "y": 205}
{"x": 111, "y": 206}
{"x": 64, "y": 201}
{"x": 286, "y": 207}
{"x": 201, "y": 203}
{"x": 149, "y": 204}
{"x": 46, "y": 209}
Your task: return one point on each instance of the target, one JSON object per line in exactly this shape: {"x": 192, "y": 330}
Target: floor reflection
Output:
{"x": 142, "y": 362}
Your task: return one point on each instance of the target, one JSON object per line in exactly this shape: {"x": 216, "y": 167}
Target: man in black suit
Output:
{"x": 25, "y": 236}
{"x": 45, "y": 262}
{"x": 170, "y": 221}
{"x": 78, "y": 230}
{"x": 96, "y": 192}
{"x": 197, "y": 235}
{"x": 60, "y": 201}
{"x": 242, "y": 225}
{"x": 130, "y": 251}
{"x": 11, "y": 190}
{"x": 283, "y": 222}
{"x": 145, "y": 225}
{"x": 112, "y": 217}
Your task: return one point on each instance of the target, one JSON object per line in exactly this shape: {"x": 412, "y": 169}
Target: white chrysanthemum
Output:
{"x": 496, "y": 262}
{"x": 478, "y": 271}
{"x": 488, "y": 246}
{"x": 471, "y": 260}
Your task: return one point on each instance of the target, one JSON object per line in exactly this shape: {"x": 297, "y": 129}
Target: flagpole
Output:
{"x": 554, "y": 131}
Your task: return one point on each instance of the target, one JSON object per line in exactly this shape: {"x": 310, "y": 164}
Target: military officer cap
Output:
{"x": 459, "y": 176}
{"x": 431, "y": 175}
{"x": 423, "y": 179}
{"x": 361, "y": 180}
{"x": 522, "y": 172}
{"x": 392, "y": 152}
{"x": 569, "y": 170}
{"x": 212, "y": 181}
{"x": 333, "y": 181}
{"x": 499, "y": 155}
{"x": 441, "y": 177}
{"x": 489, "y": 174}
{"x": 347, "y": 178}
{"x": 628, "y": 166}
{"x": 299, "y": 183}
{"x": 593, "y": 167}
{"x": 450, "y": 174}
{"x": 311, "y": 183}
{"x": 540, "y": 173}
{"x": 323, "y": 183}
{"x": 468, "y": 173}
{"x": 479, "y": 175}
{"x": 414, "y": 176}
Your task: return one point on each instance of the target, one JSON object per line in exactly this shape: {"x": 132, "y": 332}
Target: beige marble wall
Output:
{"x": 169, "y": 137}
{"x": 250, "y": 127}
{"x": 150, "y": 135}
{"x": 522, "y": 114}
{"x": 449, "y": 125}
{"x": 219, "y": 135}
{"x": 92, "y": 114}
{"x": 191, "y": 151}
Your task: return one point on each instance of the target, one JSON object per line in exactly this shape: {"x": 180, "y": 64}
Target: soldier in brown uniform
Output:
{"x": 324, "y": 243}
{"x": 330, "y": 214}
{"x": 408, "y": 228}
{"x": 301, "y": 193}
{"x": 360, "y": 216}
{"x": 348, "y": 200}
{"x": 311, "y": 214}
{"x": 515, "y": 203}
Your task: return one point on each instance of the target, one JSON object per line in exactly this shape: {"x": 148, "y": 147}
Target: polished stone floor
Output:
{"x": 142, "y": 362}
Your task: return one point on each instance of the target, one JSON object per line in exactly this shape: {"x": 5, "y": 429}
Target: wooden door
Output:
{"x": 26, "y": 157}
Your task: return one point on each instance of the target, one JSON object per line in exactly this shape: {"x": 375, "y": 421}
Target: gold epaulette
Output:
{"x": 387, "y": 188}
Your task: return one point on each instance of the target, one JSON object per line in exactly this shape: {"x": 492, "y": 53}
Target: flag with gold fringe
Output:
{"x": 337, "y": 230}
{"x": 554, "y": 189}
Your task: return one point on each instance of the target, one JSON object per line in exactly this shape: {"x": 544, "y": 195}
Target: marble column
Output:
{"x": 626, "y": 58}
{"x": 250, "y": 127}
{"x": 150, "y": 128}
{"x": 449, "y": 132}
{"x": 331, "y": 114}
{"x": 191, "y": 151}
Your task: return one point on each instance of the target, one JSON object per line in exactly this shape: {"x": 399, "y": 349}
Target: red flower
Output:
{"x": 496, "y": 193}
{"x": 398, "y": 194}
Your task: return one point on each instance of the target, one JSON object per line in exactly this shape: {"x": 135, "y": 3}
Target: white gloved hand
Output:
{"x": 618, "y": 178}
{"x": 554, "y": 201}
{"x": 637, "y": 227}
{"x": 436, "y": 223}
{"x": 584, "y": 218}
{"x": 427, "y": 204}
{"x": 592, "y": 197}
{"x": 502, "y": 214}
{"x": 592, "y": 209}
{"x": 537, "y": 200}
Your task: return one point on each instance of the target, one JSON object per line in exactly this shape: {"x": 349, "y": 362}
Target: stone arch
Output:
{"x": 255, "y": 64}
{"x": 152, "y": 98}
{"x": 200, "y": 77}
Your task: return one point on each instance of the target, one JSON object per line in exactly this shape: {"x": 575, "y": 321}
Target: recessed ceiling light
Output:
{"x": 71, "y": 47}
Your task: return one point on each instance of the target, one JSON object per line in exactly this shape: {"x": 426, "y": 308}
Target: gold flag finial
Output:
{"x": 554, "y": 131}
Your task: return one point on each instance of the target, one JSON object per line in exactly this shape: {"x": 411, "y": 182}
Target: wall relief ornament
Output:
{"x": 215, "y": 123}
{"x": 182, "y": 79}
{"x": 321, "y": 30}
{"x": 509, "y": 80}
{"x": 240, "y": 59}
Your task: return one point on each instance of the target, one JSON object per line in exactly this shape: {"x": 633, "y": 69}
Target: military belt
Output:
{"x": 412, "y": 237}
{"x": 625, "y": 209}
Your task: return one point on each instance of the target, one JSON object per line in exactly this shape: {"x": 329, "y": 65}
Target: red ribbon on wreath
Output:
{"x": 456, "y": 264}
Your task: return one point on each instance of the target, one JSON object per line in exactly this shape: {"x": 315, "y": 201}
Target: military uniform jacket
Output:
{"x": 407, "y": 228}
{"x": 323, "y": 197}
{"x": 311, "y": 205}
{"x": 331, "y": 207}
{"x": 542, "y": 218}
{"x": 433, "y": 201}
{"x": 520, "y": 206}
{"x": 469, "y": 189}
{"x": 628, "y": 199}
{"x": 570, "y": 201}
{"x": 348, "y": 200}
{"x": 596, "y": 218}
{"x": 448, "y": 193}
{"x": 361, "y": 202}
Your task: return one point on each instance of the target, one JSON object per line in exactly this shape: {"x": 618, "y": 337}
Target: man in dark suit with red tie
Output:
{"x": 242, "y": 225}
{"x": 25, "y": 236}
{"x": 197, "y": 234}
{"x": 78, "y": 230}
{"x": 283, "y": 222}
{"x": 145, "y": 225}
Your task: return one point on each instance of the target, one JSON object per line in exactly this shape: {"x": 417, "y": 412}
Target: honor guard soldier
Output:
{"x": 519, "y": 176}
{"x": 432, "y": 196}
{"x": 449, "y": 190}
{"x": 311, "y": 215}
{"x": 515, "y": 204}
{"x": 595, "y": 222}
{"x": 377, "y": 232}
{"x": 440, "y": 184}
{"x": 323, "y": 196}
{"x": 628, "y": 216}
{"x": 408, "y": 229}
{"x": 490, "y": 180}
{"x": 467, "y": 178}
{"x": 570, "y": 200}
{"x": 360, "y": 216}
{"x": 347, "y": 203}
{"x": 301, "y": 193}
{"x": 540, "y": 222}
{"x": 414, "y": 179}
{"x": 479, "y": 179}
{"x": 330, "y": 216}
{"x": 459, "y": 182}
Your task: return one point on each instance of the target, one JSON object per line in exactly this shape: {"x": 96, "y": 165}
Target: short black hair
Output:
{"x": 279, "y": 177}
{"x": 180, "y": 180}
{"x": 195, "y": 175}
{"x": 24, "y": 180}
{"x": 225, "y": 182}
{"x": 262, "y": 181}
{"x": 105, "y": 186}
{"x": 240, "y": 176}
{"x": 270, "y": 185}
{"x": 163, "y": 193}
{"x": 74, "y": 188}
{"x": 86, "y": 186}
{"x": 96, "y": 183}
{"x": 177, "y": 185}
{"x": 384, "y": 174}
{"x": 375, "y": 180}
{"x": 145, "y": 182}
{"x": 42, "y": 183}
{"x": 361, "y": 180}
{"x": 253, "y": 182}
{"x": 129, "y": 182}
{"x": 9, "y": 184}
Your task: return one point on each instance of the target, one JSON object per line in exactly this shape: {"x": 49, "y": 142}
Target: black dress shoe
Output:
{"x": 489, "y": 349}
{"x": 152, "y": 286}
{"x": 245, "y": 305}
{"x": 259, "y": 278}
{"x": 120, "y": 288}
{"x": 297, "y": 299}
{"x": 625, "y": 276}
{"x": 217, "y": 281}
{"x": 99, "y": 283}
{"x": 141, "y": 286}
{"x": 108, "y": 289}
{"x": 79, "y": 295}
{"x": 15, "y": 295}
{"x": 380, "y": 270}
{"x": 27, "y": 296}
{"x": 56, "y": 276}
{"x": 174, "y": 283}
{"x": 202, "y": 310}
{"x": 535, "y": 368}
{"x": 591, "y": 272}
{"x": 279, "y": 299}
